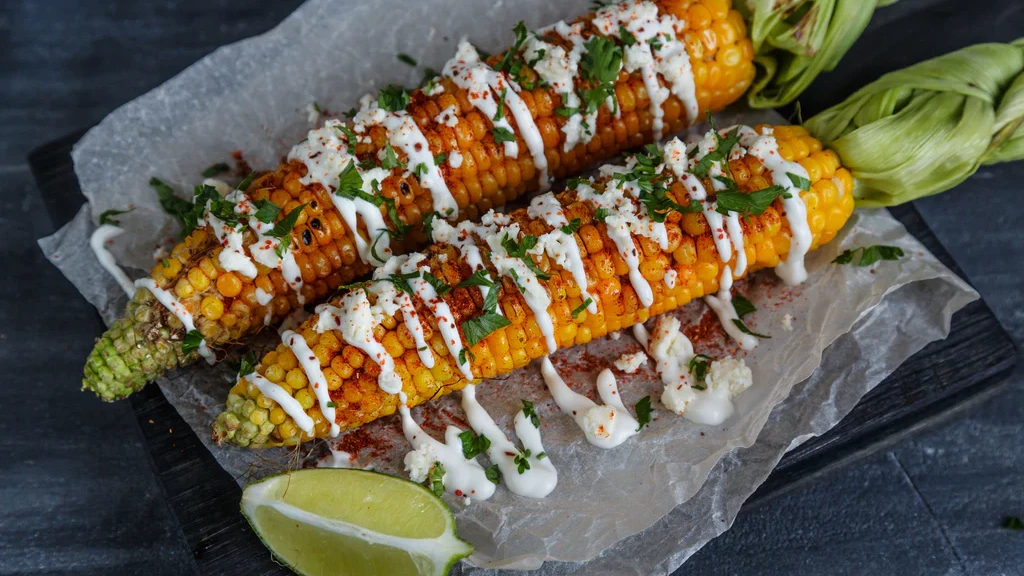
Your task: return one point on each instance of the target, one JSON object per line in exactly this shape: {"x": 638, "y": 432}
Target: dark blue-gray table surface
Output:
{"x": 77, "y": 492}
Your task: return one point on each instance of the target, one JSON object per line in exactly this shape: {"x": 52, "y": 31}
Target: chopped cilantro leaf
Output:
{"x": 193, "y": 341}
{"x": 753, "y": 204}
{"x": 214, "y": 169}
{"x": 870, "y": 254}
{"x": 406, "y": 59}
{"x": 393, "y": 98}
{"x": 698, "y": 366}
{"x": 428, "y": 223}
{"x": 493, "y": 474}
{"x": 503, "y": 135}
{"x": 479, "y": 278}
{"x": 799, "y": 181}
{"x": 436, "y": 479}
{"x": 266, "y": 211}
{"x": 181, "y": 209}
{"x": 390, "y": 159}
{"x": 350, "y": 137}
{"x": 743, "y": 328}
{"x": 439, "y": 286}
{"x": 627, "y": 37}
{"x": 742, "y": 306}
{"x": 501, "y": 105}
{"x": 643, "y": 412}
{"x": 248, "y": 364}
{"x": 522, "y": 461}
{"x": 520, "y": 250}
{"x": 582, "y": 307}
{"x": 473, "y": 445}
{"x": 476, "y": 329}
{"x": 529, "y": 412}
{"x": 107, "y": 217}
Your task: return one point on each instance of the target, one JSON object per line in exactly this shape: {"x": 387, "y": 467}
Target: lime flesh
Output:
{"x": 323, "y": 521}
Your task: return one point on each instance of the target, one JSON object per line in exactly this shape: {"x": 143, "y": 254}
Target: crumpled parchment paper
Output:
{"x": 643, "y": 507}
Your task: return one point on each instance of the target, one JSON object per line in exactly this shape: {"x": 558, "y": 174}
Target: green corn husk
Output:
{"x": 795, "y": 40}
{"x": 926, "y": 128}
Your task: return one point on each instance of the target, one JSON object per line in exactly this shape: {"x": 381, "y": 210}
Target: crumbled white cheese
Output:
{"x": 670, "y": 279}
{"x": 418, "y": 463}
{"x": 312, "y": 113}
{"x": 787, "y": 322}
{"x": 599, "y": 422}
{"x": 449, "y": 117}
{"x": 616, "y": 335}
{"x": 672, "y": 351}
{"x": 455, "y": 159}
{"x": 630, "y": 363}
{"x": 729, "y": 374}
{"x": 263, "y": 298}
{"x": 676, "y": 397}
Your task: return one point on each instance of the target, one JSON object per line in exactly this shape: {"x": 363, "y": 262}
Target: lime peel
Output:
{"x": 290, "y": 543}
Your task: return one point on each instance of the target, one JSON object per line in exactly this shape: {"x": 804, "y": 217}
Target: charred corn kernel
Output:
{"x": 721, "y": 58}
{"x": 212, "y": 308}
{"x": 694, "y": 258}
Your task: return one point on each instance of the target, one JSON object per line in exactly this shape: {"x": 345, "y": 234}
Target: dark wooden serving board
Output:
{"x": 943, "y": 378}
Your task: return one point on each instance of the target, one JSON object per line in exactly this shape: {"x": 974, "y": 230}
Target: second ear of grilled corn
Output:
{"x": 227, "y": 305}
{"x": 690, "y": 257}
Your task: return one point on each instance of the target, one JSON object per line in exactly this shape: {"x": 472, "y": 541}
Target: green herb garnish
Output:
{"x": 643, "y": 412}
{"x": 214, "y": 169}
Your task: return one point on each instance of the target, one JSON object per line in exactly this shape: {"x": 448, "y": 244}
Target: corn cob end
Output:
{"x": 144, "y": 343}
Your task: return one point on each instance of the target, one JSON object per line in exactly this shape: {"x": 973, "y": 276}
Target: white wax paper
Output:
{"x": 643, "y": 507}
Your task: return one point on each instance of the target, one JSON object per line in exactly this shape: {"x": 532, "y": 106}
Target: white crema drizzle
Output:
{"x": 605, "y": 426}
{"x": 536, "y": 482}
{"x": 671, "y": 60}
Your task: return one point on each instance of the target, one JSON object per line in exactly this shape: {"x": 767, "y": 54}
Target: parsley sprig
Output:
{"x": 600, "y": 65}
{"x": 869, "y": 254}
{"x": 520, "y": 249}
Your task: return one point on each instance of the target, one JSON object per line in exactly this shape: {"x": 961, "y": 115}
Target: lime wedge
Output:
{"x": 338, "y": 521}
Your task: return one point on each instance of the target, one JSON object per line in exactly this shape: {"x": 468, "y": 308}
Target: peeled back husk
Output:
{"x": 926, "y": 128}
{"x": 795, "y": 40}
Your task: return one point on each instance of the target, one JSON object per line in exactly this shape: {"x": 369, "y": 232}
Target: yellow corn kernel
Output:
{"x": 228, "y": 284}
{"x": 183, "y": 289}
{"x": 212, "y": 308}
{"x": 277, "y": 416}
{"x": 305, "y": 398}
{"x": 296, "y": 378}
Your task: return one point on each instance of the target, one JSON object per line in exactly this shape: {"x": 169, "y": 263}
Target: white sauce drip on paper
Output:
{"x": 98, "y": 242}
{"x": 464, "y": 478}
{"x": 605, "y": 426}
{"x": 536, "y": 482}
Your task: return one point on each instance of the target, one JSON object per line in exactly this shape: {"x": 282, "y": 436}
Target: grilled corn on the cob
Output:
{"x": 558, "y": 101}
{"x": 643, "y": 244}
